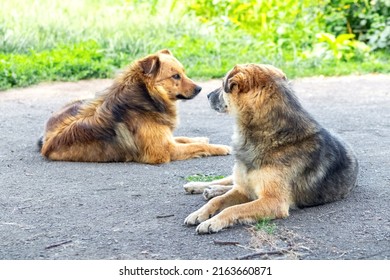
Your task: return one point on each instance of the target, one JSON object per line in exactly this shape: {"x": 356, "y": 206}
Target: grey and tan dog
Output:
{"x": 283, "y": 157}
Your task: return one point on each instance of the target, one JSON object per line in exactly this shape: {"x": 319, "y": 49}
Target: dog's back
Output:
{"x": 325, "y": 166}
{"x": 329, "y": 173}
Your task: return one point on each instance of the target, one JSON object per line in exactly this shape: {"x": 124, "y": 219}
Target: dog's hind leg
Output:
{"x": 199, "y": 187}
{"x": 210, "y": 189}
{"x": 215, "y": 190}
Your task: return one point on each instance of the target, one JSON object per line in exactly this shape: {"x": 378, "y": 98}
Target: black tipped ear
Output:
{"x": 230, "y": 84}
{"x": 231, "y": 81}
{"x": 165, "y": 51}
{"x": 150, "y": 64}
{"x": 227, "y": 81}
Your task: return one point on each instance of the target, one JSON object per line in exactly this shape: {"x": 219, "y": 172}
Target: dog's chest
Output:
{"x": 247, "y": 180}
{"x": 248, "y": 153}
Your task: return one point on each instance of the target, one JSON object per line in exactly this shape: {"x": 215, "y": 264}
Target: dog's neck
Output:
{"x": 284, "y": 122}
{"x": 133, "y": 98}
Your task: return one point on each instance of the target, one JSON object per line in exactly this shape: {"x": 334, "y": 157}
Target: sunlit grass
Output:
{"x": 266, "y": 225}
{"x": 203, "y": 178}
{"x": 115, "y": 25}
{"x": 42, "y": 40}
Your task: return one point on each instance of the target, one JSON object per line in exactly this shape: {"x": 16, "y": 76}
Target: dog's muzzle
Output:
{"x": 216, "y": 101}
{"x": 194, "y": 93}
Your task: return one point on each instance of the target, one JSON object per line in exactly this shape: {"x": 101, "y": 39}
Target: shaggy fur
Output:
{"x": 284, "y": 158}
{"x": 133, "y": 120}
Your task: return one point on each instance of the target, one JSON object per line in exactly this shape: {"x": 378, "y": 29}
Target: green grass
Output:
{"x": 46, "y": 40}
{"x": 203, "y": 178}
{"x": 266, "y": 225}
{"x": 70, "y": 62}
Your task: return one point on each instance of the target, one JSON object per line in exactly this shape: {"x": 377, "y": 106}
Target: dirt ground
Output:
{"x": 63, "y": 210}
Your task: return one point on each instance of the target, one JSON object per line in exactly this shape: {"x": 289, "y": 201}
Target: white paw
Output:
{"x": 212, "y": 225}
{"x": 215, "y": 190}
{"x": 195, "y": 187}
{"x": 196, "y": 218}
{"x": 228, "y": 149}
{"x": 201, "y": 140}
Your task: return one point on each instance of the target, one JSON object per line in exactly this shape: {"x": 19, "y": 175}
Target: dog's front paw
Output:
{"x": 195, "y": 187}
{"x": 210, "y": 226}
{"x": 204, "y": 140}
{"x": 224, "y": 150}
{"x": 196, "y": 218}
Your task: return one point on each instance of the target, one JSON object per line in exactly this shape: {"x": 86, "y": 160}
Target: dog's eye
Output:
{"x": 176, "y": 77}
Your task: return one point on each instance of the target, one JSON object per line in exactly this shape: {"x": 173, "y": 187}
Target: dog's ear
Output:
{"x": 274, "y": 71}
{"x": 228, "y": 81}
{"x": 150, "y": 65}
{"x": 165, "y": 51}
{"x": 234, "y": 81}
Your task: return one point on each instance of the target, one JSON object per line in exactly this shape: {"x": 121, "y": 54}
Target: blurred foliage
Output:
{"x": 284, "y": 23}
{"x": 43, "y": 40}
{"x": 71, "y": 62}
{"x": 326, "y": 29}
{"x": 368, "y": 20}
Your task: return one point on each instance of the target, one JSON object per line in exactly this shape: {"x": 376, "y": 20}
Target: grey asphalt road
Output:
{"x": 64, "y": 210}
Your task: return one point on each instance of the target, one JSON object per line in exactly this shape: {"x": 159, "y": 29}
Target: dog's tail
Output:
{"x": 40, "y": 143}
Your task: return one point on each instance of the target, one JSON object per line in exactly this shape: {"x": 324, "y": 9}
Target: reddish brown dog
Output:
{"x": 133, "y": 120}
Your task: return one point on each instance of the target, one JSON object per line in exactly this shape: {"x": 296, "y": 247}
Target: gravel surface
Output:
{"x": 64, "y": 210}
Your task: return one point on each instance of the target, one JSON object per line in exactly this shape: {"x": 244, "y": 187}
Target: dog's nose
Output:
{"x": 198, "y": 89}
